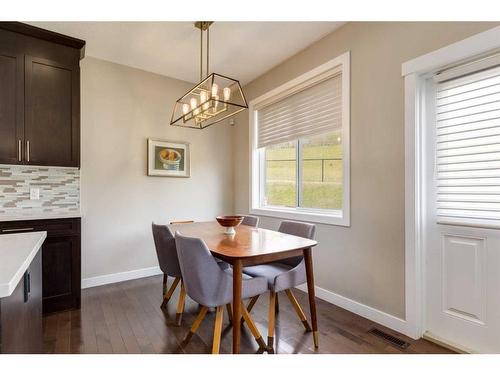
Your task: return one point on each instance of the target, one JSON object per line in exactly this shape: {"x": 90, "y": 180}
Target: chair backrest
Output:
{"x": 298, "y": 229}
{"x": 249, "y": 220}
{"x": 182, "y": 222}
{"x": 204, "y": 280}
{"x": 165, "y": 250}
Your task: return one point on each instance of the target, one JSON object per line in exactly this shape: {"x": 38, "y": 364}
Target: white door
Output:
{"x": 462, "y": 200}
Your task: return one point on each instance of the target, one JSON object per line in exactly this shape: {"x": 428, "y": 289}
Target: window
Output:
{"x": 468, "y": 147}
{"x": 319, "y": 184}
{"x": 280, "y": 171}
{"x": 300, "y": 147}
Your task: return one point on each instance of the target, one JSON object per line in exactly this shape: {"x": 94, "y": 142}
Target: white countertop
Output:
{"x": 16, "y": 253}
{"x": 39, "y": 217}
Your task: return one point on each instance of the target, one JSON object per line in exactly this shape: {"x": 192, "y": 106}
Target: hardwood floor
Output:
{"x": 126, "y": 318}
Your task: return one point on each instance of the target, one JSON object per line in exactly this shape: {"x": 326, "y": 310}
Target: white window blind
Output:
{"x": 468, "y": 149}
{"x": 314, "y": 110}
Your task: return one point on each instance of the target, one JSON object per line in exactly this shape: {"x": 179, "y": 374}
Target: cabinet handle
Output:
{"x": 16, "y": 230}
{"x": 19, "y": 150}
{"x": 27, "y": 286}
{"x": 27, "y": 151}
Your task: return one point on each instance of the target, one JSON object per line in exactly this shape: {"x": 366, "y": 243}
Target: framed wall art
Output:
{"x": 168, "y": 158}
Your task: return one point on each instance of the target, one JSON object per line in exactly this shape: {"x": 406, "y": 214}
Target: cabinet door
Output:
{"x": 21, "y": 314}
{"x": 51, "y": 113}
{"x": 34, "y": 335}
{"x": 11, "y": 106}
{"x": 13, "y": 321}
{"x": 61, "y": 273}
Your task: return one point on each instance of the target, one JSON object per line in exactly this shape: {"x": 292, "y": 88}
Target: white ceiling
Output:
{"x": 241, "y": 50}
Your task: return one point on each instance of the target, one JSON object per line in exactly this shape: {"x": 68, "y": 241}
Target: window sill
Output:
{"x": 330, "y": 218}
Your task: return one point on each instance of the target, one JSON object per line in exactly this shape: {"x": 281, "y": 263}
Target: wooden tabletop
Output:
{"x": 252, "y": 245}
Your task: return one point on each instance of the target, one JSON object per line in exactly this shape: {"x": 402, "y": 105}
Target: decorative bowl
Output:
{"x": 170, "y": 159}
{"x": 229, "y": 222}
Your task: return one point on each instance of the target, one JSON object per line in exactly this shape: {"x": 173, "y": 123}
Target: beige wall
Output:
{"x": 366, "y": 261}
{"x": 121, "y": 108}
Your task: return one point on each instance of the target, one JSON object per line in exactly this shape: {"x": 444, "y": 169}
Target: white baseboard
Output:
{"x": 121, "y": 276}
{"x": 380, "y": 317}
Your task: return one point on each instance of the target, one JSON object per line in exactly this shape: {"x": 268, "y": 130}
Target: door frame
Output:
{"x": 415, "y": 72}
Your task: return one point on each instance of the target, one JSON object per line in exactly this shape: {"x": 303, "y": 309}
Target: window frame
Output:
{"x": 257, "y": 169}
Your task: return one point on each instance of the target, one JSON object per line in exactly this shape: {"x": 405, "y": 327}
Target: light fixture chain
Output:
{"x": 208, "y": 47}
{"x": 201, "y": 53}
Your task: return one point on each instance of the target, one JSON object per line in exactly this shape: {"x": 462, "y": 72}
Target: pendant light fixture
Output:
{"x": 214, "y": 99}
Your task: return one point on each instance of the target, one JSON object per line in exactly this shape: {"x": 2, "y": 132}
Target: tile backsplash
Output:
{"x": 59, "y": 191}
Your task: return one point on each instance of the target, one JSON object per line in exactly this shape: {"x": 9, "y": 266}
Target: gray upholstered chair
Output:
{"x": 210, "y": 286}
{"x": 283, "y": 276}
{"x": 221, "y": 263}
{"x": 169, "y": 265}
{"x": 252, "y": 221}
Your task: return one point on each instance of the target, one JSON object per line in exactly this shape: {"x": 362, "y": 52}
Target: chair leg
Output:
{"x": 253, "y": 328}
{"x": 196, "y": 324}
{"x": 252, "y": 303}
{"x": 250, "y": 306}
{"x": 277, "y": 304}
{"x": 219, "y": 315}
{"x": 271, "y": 316}
{"x": 298, "y": 309}
{"x": 170, "y": 291}
{"x": 229, "y": 313}
{"x": 165, "y": 278}
{"x": 180, "y": 305}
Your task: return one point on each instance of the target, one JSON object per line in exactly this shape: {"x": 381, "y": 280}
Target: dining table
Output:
{"x": 252, "y": 246}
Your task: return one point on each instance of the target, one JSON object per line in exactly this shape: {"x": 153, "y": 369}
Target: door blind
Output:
{"x": 468, "y": 149}
{"x": 314, "y": 110}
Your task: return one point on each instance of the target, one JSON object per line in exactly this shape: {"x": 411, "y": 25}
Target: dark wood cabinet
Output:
{"x": 61, "y": 259}
{"x": 21, "y": 313}
{"x": 61, "y": 277}
{"x": 39, "y": 96}
{"x": 51, "y": 128}
{"x": 11, "y": 106}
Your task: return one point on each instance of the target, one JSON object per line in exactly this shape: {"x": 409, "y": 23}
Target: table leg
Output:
{"x": 237, "y": 277}
{"x": 310, "y": 290}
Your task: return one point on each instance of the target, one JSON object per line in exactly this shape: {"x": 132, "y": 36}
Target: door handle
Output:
{"x": 19, "y": 150}
{"x": 16, "y": 230}
{"x": 27, "y": 151}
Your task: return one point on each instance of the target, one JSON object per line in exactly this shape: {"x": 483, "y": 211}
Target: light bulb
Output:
{"x": 227, "y": 93}
{"x": 216, "y": 103}
{"x": 203, "y": 96}
{"x": 206, "y": 106}
{"x": 196, "y": 111}
{"x": 215, "y": 89}
{"x": 185, "y": 108}
{"x": 339, "y": 139}
{"x": 193, "y": 103}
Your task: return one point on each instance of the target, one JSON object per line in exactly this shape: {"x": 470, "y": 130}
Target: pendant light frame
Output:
{"x": 203, "y": 105}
